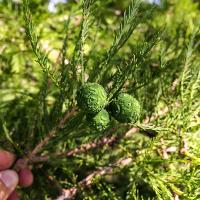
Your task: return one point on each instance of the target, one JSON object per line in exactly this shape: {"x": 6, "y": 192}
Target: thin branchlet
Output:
{"x": 127, "y": 26}
{"x": 42, "y": 58}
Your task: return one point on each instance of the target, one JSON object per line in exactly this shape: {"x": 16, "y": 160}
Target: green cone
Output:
{"x": 125, "y": 108}
{"x": 91, "y": 98}
{"x": 100, "y": 121}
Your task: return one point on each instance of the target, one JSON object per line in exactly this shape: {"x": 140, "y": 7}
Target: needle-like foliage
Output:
{"x": 148, "y": 51}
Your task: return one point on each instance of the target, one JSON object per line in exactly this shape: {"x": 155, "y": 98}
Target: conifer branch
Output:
{"x": 188, "y": 86}
{"x": 105, "y": 140}
{"x": 42, "y": 58}
{"x": 129, "y": 22}
{"x": 136, "y": 59}
{"x": 70, "y": 193}
{"x": 78, "y": 55}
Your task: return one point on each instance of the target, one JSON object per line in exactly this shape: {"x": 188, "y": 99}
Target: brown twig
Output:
{"x": 86, "y": 182}
{"x": 81, "y": 149}
{"x": 52, "y": 132}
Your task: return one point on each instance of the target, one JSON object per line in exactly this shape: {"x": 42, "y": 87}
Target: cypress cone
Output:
{"x": 125, "y": 108}
{"x": 91, "y": 98}
{"x": 100, "y": 121}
